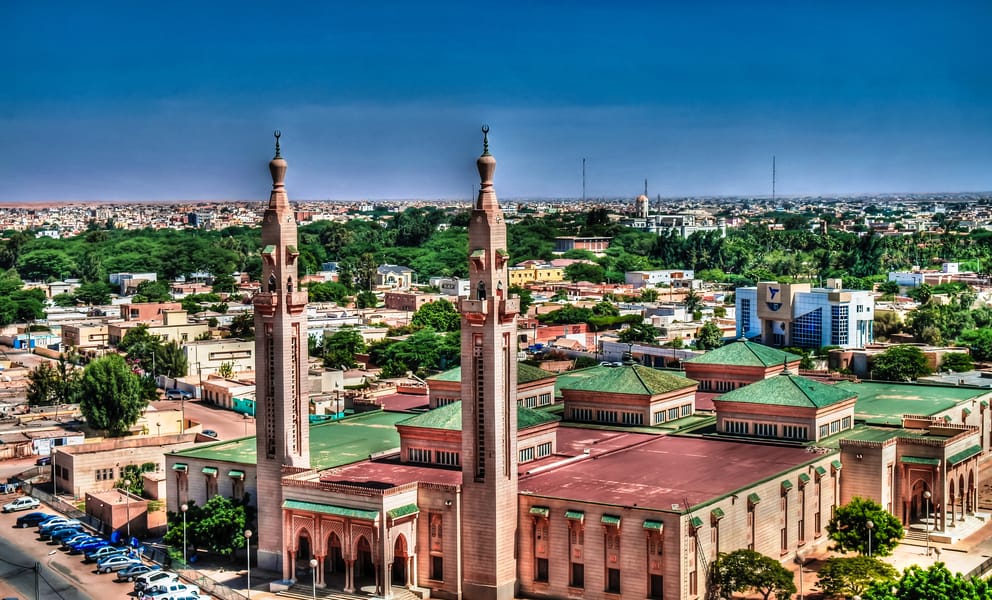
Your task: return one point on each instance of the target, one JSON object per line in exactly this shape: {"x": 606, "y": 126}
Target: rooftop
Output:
{"x": 745, "y": 354}
{"x": 332, "y": 444}
{"x": 788, "y": 390}
{"x": 384, "y": 474}
{"x": 627, "y": 379}
{"x": 666, "y": 470}
{"x": 525, "y": 374}
{"x": 449, "y": 417}
{"x": 884, "y": 403}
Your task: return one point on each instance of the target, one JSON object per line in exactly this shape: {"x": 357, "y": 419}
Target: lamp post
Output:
{"x": 871, "y": 526}
{"x": 127, "y": 504}
{"x": 801, "y": 561}
{"x": 248, "y": 558}
{"x": 926, "y": 496}
{"x": 313, "y": 569}
{"x": 184, "y": 508}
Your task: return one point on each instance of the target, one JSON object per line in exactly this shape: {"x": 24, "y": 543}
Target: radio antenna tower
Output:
{"x": 773, "y": 178}
{"x": 583, "y": 179}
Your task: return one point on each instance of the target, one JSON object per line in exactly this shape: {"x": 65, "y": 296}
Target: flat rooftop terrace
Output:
{"x": 885, "y": 403}
{"x": 666, "y": 470}
{"x": 332, "y": 444}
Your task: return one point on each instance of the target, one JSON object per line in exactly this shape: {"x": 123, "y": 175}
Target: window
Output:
{"x": 845, "y": 423}
{"x": 606, "y": 416}
{"x": 541, "y": 570}
{"x": 659, "y": 417}
{"x": 824, "y": 431}
{"x": 735, "y": 427}
{"x": 613, "y": 581}
{"x": 544, "y": 450}
{"x": 105, "y": 474}
{"x": 211, "y": 486}
{"x": 633, "y": 418}
{"x": 673, "y": 413}
{"x": 527, "y": 454}
{"x": 582, "y": 414}
{"x": 794, "y": 432}
{"x": 807, "y": 329}
{"x": 437, "y": 568}
{"x": 745, "y": 315}
{"x": 531, "y": 402}
{"x": 839, "y": 326}
{"x": 577, "y": 576}
{"x": 834, "y": 427}
{"x": 657, "y": 584}
{"x": 766, "y": 430}
{"x": 686, "y": 410}
{"x": 442, "y": 457}
{"x": 545, "y": 399}
{"x": 419, "y": 455}
{"x": 784, "y": 534}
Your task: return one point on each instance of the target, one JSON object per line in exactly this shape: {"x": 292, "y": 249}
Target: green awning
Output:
{"x": 610, "y": 520}
{"x": 210, "y": 471}
{"x": 803, "y": 478}
{"x": 696, "y": 522}
{"x": 541, "y": 511}
{"x": 330, "y": 509}
{"x": 716, "y": 514}
{"x": 947, "y": 418}
{"x": 966, "y": 411}
{"x": 964, "y": 455}
{"x": 753, "y": 498}
{"x": 654, "y": 525}
{"x": 575, "y": 515}
{"x": 821, "y": 471}
{"x": 786, "y": 485}
{"x": 270, "y": 249}
{"x": 984, "y": 403}
{"x": 402, "y": 511}
{"x": 836, "y": 465}
{"x": 236, "y": 474}
{"x": 478, "y": 253}
{"x": 181, "y": 467}
{"x": 919, "y": 460}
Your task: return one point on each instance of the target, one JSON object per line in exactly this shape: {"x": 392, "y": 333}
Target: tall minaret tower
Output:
{"x": 489, "y": 406}
{"x": 281, "y": 411}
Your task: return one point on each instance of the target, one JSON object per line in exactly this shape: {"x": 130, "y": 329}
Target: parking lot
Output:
{"x": 25, "y": 559}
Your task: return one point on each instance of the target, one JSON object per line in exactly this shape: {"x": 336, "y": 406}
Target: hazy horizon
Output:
{"x": 116, "y": 101}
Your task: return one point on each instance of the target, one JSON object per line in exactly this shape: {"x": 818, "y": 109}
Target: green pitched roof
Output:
{"x": 449, "y": 417}
{"x": 788, "y": 390}
{"x": 628, "y": 379}
{"x": 745, "y": 354}
{"x": 964, "y": 454}
{"x": 525, "y": 374}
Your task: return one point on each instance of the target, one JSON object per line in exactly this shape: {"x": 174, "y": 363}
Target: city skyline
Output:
{"x": 121, "y": 102}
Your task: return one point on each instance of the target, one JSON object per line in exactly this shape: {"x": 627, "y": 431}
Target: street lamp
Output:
{"x": 313, "y": 569}
{"x": 801, "y": 561}
{"x": 926, "y": 496}
{"x": 871, "y": 526}
{"x": 248, "y": 558}
{"x": 127, "y": 503}
{"x": 184, "y": 508}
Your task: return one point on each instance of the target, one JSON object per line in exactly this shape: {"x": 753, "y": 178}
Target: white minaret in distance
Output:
{"x": 489, "y": 406}
{"x": 282, "y": 409}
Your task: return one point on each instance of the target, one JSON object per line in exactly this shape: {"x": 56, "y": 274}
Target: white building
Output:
{"x": 452, "y": 286}
{"x": 679, "y": 278}
{"x": 784, "y": 315}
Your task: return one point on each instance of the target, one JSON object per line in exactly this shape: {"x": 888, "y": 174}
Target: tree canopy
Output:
{"x": 850, "y": 530}
{"x": 112, "y": 397}
{"x": 341, "y": 347}
{"x": 743, "y": 570}
{"x": 217, "y": 527}
{"x": 439, "y": 315}
{"x": 935, "y": 582}
{"x": 845, "y": 576}
{"x": 900, "y": 363}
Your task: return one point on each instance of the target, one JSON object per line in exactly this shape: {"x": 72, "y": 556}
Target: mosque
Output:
{"x": 626, "y": 492}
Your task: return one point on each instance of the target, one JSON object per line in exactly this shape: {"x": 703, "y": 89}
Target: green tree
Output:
{"x": 226, "y": 370}
{"x": 585, "y": 272}
{"x": 693, "y": 302}
{"x": 440, "y": 315}
{"x": 242, "y": 326}
{"x": 846, "y": 576}
{"x": 223, "y": 283}
{"x": 341, "y": 347}
{"x": 900, "y": 363}
{"x": 111, "y": 395}
{"x": 743, "y": 570}
{"x": 849, "y": 528}
{"x": 525, "y": 296}
{"x": 649, "y": 295}
{"x": 935, "y": 582}
{"x": 959, "y": 362}
{"x": 170, "y": 360}
{"x": 328, "y": 291}
{"x": 142, "y": 348}
{"x": 709, "y": 336}
{"x": 638, "y": 332}
{"x": 217, "y": 527}
{"x": 979, "y": 342}
{"x": 64, "y": 300}
{"x": 96, "y": 292}
{"x": 152, "y": 291}
{"x": 45, "y": 265}
{"x": 43, "y": 385}
{"x": 366, "y": 299}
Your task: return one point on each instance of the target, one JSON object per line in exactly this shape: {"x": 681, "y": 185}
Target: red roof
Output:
{"x": 390, "y": 473}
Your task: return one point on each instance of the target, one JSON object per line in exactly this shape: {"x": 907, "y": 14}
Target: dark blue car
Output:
{"x": 59, "y": 535}
{"x": 32, "y": 519}
{"x": 87, "y": 546}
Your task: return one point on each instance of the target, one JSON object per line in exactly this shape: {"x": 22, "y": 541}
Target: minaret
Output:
{"x": 281, "y": 411}
{"x": 489, "y": 406}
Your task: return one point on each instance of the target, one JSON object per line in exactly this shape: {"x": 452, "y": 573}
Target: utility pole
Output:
{"x": 773, "y": 178}
{"x": 583, "y": 179}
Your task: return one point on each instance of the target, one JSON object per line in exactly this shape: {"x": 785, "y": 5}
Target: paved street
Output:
{"x": 227, "y": 423}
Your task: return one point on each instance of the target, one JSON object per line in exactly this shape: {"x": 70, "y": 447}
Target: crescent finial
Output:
{"x": 485, "y": 139}
{"x": 277, "y": 134}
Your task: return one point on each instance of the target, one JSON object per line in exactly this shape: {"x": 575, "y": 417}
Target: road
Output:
{"x": 61, "y": 577}
{"x": 227, "y": 423}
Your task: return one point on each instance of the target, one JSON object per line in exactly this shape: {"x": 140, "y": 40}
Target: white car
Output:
{"x": 22, "y": 503}
{"x": 168, "y": 591}
{"x": 152, "y": 579}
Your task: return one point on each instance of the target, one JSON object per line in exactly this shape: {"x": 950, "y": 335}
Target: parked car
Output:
{"x": 88, "y": 546}
{"x": 61, "y": 533}
{"x": 210, "y": 433}
{"x": 103, "y": 552}
{"x": 116, "y": 563}
{"x": 22, "y": 503}
{"x": 32, "y": 519}
{"x": 82, "y": 538}
{"x": 130, "y": 573}
{"x": 44, "y": 461}
{"x": 170, "y": 590}
{"x": 149, "y": 579}
{"x": 46, "y": 528}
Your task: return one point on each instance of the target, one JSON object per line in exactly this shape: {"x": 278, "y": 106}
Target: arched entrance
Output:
{"x": 304, "y": 552}
{"x": 364, "y": 565}
{"x": 972, "y": 493}
{"x": 400, "y": 559}
{"x": 919, "y": 505}
{"x": 334, "y": 566}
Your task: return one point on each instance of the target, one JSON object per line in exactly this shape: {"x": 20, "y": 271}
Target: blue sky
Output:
{"x": 166, "y": 101}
